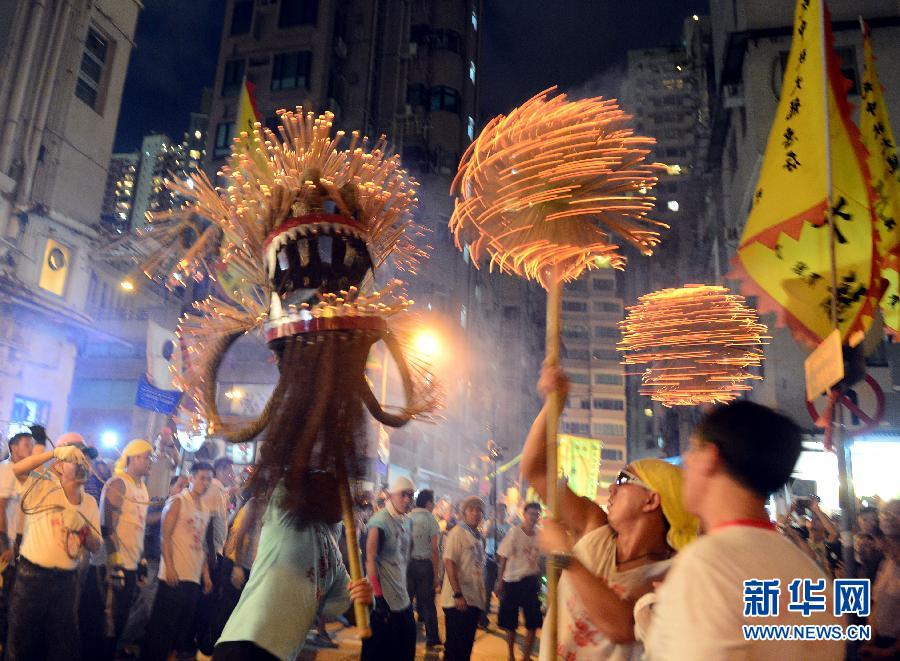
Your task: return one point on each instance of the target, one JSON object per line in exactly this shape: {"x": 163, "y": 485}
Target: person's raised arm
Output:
{"x": 580, "y": 515}
{"x": 23, "y": 467}
{"x": 831, "y": 531}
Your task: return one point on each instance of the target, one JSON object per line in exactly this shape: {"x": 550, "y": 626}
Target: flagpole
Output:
{"x": 845, "y": 495}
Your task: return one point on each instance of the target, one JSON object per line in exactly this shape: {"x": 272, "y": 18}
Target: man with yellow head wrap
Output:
{"x": 617, "y": 554}
{"x": 113, "y": 575}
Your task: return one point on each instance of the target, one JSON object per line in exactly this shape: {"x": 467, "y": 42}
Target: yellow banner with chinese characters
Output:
{"x": 884, "y": 169}
{"x": 579, "y": 462}
{"x": 784, "y": 255}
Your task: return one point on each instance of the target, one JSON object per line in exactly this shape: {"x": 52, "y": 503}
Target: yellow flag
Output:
{"x": 247, "y": 116}
{"x": 784, "y": 254}
{"x": 884, "y": 169}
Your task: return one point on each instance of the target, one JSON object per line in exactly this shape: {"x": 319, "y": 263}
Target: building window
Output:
{"x": 446, "y": 40}
{"x": 610, "y": 454}
{"x": 291, "y": 70}
{"x": 90, "y": 74}
{"x": 575, "y": 332}
{"x": 444, "y": 98}
{"x": 605, "y": 354}
{"x": 470, "y": 128}
{"x": 233, "y": 77}
{"x": 576, "y": 354}
{"x": 608, "y": 429}
{"x": 607, "y": 307}
{"x": 416, "y": 95}
{"x": 605, "y": 379}
{"x": 224, "y": 136}
{"x": 574, "y": 306}
{"x": 609, "y": 404}
{"x": 603, "y": 284}
{"x": 475, "y": 20}
{"x": 582, "y": 378}
{"x": 472, "y": 71}
{"x": 242, "y": 17}
{"x": 298, "y": 12}
{"x": 606, "y": 332}
{"x": 580, "y": 428}
{"x": 577, "y": 287}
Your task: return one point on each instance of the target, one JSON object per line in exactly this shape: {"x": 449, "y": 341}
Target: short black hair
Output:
{"x": 533, "y": 506}
{"x": 198, "y": 466}
{"x": 759, "y": 446}
{"x": 222, "y": 462}
{"x": 425, "y": 496}
{"x": 14, "y": 440}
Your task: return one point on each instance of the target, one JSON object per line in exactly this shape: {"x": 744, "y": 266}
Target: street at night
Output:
{"x": 449, "y": 329}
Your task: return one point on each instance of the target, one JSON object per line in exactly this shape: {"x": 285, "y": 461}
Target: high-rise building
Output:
{"x": 62, "y": 69}
{"x": 667, "y": 92}
{"x": 591, "y": 311}
{"x": 160, "y": 159}
{"x": 118, "y": 199}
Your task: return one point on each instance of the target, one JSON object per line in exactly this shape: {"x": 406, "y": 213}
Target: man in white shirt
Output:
{"x": 741, "y": 572}
{"x": 112, "y": 577}
{"x": 464, "y": 596}
{"x": 60, "y": 521}
{"x": 182, "y": 568}
{"x": 21, "y": 445}
{"x": 519, "y": 583}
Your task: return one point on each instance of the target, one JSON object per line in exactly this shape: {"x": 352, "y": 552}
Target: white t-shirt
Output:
{"x": 700, "y": 606}
{"x": 188, "y": 538}
{"x": 9, "y": 490}
{"x": 467, "y": 553}
{"x": 578, "y": 638}
{"x": 522, "y": 553}
{"x": 131, "y": 524}
{"x": 50, "y": 536}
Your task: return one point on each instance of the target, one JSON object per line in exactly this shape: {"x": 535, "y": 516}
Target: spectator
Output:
{"x": 739, "y": 454}
{"x": 163, "y": 470}
{"x": 493, "y": 530}
{"x": 297, "y": 575}
{"x": 424, "y": 565}
{"x": 21, "y": 446}
{"x": 868, "y": 555}
{"x": 147, "y": 587}
{"x": 387, "y": 559}
{"x": 615, "y": 557}
{"x": 823, "y": 538}
{"x": 113, "y": 574}
{"x": 60, "y": 521}
{"x": 181, "y": 569}
{"x": 884, "y": 619}
{"x": 99, "y": 474}
{"x": 519, "y": 583}
{"x": 463, "y": 596}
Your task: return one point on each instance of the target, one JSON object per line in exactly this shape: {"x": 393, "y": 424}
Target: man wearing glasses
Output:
{"x": 617, "y": 554}
{"x": 387, "y": 560}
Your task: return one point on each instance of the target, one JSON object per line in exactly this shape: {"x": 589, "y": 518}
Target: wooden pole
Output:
{"x": 361, "y": 610}
{"x": 554, "y": 296}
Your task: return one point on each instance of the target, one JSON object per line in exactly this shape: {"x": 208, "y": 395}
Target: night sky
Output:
{"x": 528, "y": 45}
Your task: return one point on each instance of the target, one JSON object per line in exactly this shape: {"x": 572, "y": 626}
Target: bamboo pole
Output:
{"x": 361, "y": 610}
{"x": 554, "y": 296}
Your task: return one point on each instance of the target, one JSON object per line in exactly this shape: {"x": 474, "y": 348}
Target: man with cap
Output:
{"x": 738, "y": 455}
{"x": 112, "y": 577}
{"x": 60, "y": 521}
{"x": 617, "y": 554}
{"x": 387, "y": 560}
{"x": 464, "y": 595}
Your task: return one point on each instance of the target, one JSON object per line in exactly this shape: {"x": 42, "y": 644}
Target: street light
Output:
{"x": 109, "y": 439}
{"x": 427, "y": 344}
{"x": 127, "y": 285}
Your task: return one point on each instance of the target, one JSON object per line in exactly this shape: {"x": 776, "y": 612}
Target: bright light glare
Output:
{"x": 109, "y": 439}
{"x": 695, "y": 17}
{"x": 127, "y": 285}
{"x": 427, "y": 344}
{"x": 673, "y": 205}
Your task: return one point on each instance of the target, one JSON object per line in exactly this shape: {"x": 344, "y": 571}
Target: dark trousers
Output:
{"x": 461, "y": 627}
{"x": 43, "y": 614}
{"x": 9, "y": 580}
{"x": 420, "y": 584}
{"x": 490, "y": 578}
{"x": 393, "y": 637}
{"x": 98, "y": 641}
{"x": 227, "y": 601}
{"x": 241, "y": 650}
{"x": 171, "y": 620}
{"x": 207, "y": 604}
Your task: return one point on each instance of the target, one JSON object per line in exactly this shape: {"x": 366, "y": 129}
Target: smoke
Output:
{"x": 608, "y": 84}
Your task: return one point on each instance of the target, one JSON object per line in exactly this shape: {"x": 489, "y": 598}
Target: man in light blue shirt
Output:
{"x": 387, "y": 558}
{"x": 423, "y": 575}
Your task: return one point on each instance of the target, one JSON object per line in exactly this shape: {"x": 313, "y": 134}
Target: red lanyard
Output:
{"x": 749, "y": 523}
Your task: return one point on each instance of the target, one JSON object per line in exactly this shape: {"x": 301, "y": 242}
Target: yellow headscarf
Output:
{"x": 665, "y": 479}
{"x": 133, "y": 449}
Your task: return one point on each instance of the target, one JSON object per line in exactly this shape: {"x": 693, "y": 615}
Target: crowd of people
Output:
{"x": 154, "y": 557}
